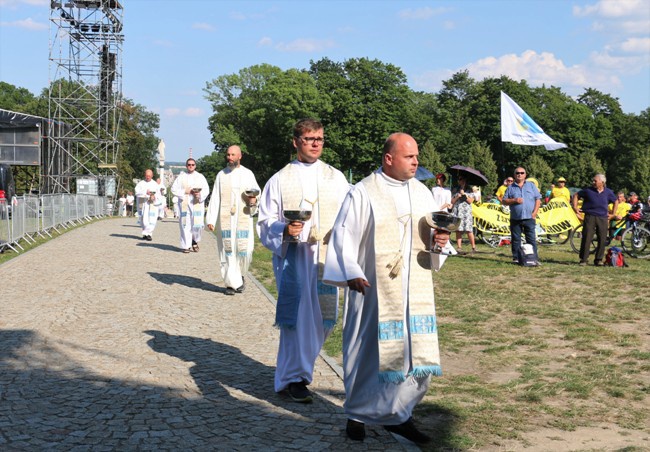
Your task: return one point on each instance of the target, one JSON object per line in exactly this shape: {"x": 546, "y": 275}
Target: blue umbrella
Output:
{"x": 423, "y": 174}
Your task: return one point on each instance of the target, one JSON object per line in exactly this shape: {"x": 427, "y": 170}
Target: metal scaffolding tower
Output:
{"x": 85, "y": 93}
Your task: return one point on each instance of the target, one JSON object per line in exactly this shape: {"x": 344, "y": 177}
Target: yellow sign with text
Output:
{"x": 555, "y": 217}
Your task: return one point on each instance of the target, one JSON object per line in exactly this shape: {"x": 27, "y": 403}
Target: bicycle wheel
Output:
{"x": 636, "y": 242}
{"x": 575, "y": 237}
{"x": 561, "y": 238}
{"x": 492, "y": 240}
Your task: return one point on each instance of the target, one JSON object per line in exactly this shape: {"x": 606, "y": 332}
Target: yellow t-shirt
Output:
{"x": 501, "y": 191}
{"x": 563, "y": 192}
{"x": 622, "y": 210}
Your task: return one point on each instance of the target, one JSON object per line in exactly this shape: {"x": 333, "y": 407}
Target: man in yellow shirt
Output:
{"x": 617, "y": 219}
{"x": 560, "y": 191}
{"x": 502, "y": 189}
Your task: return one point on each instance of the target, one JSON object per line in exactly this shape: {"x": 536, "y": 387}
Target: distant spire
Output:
{"x": 190, "y": 153}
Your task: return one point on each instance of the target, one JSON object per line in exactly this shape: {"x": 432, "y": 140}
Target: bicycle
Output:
{"x": 635, "y": 240}
{"x": 496, "y": 237}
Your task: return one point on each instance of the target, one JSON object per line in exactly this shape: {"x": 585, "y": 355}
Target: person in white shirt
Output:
{"x": 230, "y": 213}
{"x": 441, "y": 194}
{"x": 306, "y": 309}
{"x": 192, "y": 189}
{"x": 149, "y": 201}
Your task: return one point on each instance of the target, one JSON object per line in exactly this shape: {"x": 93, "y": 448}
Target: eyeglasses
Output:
{"x": 191, "y": 164}
{"x": 520, "y": 172}
{"x": 510, "y": 181}
{"x": 311, "y": 140}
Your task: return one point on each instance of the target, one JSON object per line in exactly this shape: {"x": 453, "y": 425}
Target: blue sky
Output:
{"x": 173, "y": 47}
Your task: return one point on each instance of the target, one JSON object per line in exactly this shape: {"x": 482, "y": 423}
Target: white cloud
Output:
{"x": 27, "y": 24}
{"x": 15, "y": 3}
{"x": 542, "y": 68}
{"x": 617, "y": 16}
{"x": 203, "y": 26}
{"x": 237, "y": 15}
{"x": 431, "y": 81}
{"x": 305, "y": 45}
{"x": 421, "y": 13}
{"x": 613, "y": 8}
{"x": 193, "y": 112}
{"x": 539, "y": 69}
{"x": 636, "y": 45}
{"x": 190, "y": 112}
{"x": 172, "y": 111}
{"x": 265, "y": 41}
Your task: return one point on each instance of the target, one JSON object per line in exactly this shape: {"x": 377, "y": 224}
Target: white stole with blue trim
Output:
{"x": 393, "y": 235}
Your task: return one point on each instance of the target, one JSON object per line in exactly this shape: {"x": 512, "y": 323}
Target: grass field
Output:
{"x": 533, "y": 358}
{"x": 558, "y": 351}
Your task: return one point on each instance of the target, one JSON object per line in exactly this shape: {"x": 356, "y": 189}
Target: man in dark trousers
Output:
{"x": 524, "y": 200}
{"x": 595, "y": 200}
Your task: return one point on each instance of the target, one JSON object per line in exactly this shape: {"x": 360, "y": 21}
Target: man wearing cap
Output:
{"x": 560, "y": 190}
{"x": 441, "y": 194}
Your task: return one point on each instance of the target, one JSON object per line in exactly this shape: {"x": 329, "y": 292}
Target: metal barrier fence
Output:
{"x": 26, "y": 217}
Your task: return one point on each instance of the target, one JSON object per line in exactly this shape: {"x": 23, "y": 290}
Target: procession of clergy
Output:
{"x": 367, "y": 238}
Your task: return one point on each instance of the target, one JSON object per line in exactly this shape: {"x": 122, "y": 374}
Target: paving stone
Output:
{"x": 111, "y": 343}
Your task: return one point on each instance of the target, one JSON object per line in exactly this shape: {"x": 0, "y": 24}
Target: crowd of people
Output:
{"x": 326, "y": 235}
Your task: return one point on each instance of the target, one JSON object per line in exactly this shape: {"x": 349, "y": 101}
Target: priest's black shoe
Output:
{"x": 241, "y": 288}
{"x": 409, "y": 431}
{"x": 299, "y": 392}
{"x": 230, "y": 291}
{"x": 355, "y": 430}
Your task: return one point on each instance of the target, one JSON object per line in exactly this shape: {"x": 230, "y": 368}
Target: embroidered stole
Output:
{"x": 326, "y": 206}
{"x": 196, "y": 211}
{"x": 233, "y": 206}
{"x": 149, "y": 215}
{"x": 421, "y": 326}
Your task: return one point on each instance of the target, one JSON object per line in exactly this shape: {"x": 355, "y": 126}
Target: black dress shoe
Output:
{"x": 230, "y": 291}
{"x": 148, "y": 238}
{"x": 299, "y": 392}
{"x": 355, "y": 430}
{"x": 409, "y": 431}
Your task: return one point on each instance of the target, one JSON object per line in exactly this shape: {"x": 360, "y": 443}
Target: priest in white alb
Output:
{"x": 191, "y": 190}
{"x": 306, "y": 309}
{"x": 380, "y": 249}
{"x": 230, "y": 213}
{"x": 149, "y": 201}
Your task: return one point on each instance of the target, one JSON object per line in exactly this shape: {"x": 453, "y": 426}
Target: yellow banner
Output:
{"x": 555, "y": 217}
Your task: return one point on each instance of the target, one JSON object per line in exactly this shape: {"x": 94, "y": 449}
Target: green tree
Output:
{"x": 21, "y": 100}
{"x": 480, "y": 158}
{"x": 369, "y": 100}
{"x": 257, "y": 108}
{"x": 430, "y": 160}
{"x": 537, "y": 167}
{"x": 138, "y": 143}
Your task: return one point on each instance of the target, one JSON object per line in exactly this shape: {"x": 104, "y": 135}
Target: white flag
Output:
{"x": 519, "y": 128}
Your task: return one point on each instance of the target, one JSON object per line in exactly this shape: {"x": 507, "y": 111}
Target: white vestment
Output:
{"x": 145, "y": 209}
{"x": 298, "y": 347}
{"x": 350, "y": 255}
{"x": 441, "y": 196}
{"x": 234, "y": 263}
{"x": 193, "y": 212}
{"x": 163, "y": 195}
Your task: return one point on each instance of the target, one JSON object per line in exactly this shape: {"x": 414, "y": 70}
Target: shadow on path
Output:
{"x": 127, "y": 236}
{"x": 185, "y": 280}
{"x": 52, "y": 401}
{"x": 160, "y": 246}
